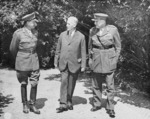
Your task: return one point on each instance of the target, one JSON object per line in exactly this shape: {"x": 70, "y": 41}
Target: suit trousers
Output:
{"x": 68, "y": 82}
{"x": 97, "y": 81}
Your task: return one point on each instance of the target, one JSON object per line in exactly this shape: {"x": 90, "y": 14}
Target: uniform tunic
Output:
{"x": 104, "y": 53}
{"x": 23, "y": 49}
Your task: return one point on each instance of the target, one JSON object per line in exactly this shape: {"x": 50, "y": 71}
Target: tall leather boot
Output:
{"x": 24, "y": 98}
{"x": 33, "y": 100}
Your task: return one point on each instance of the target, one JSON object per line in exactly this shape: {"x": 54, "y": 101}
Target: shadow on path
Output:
{"x": 53, "y": 77}
{"x": 103, "y": 102}
{"x": 40, "y": 103}
{"x": 137, "y": 99}
{"x": 78, "y": 100}
{"x": 4, "y": 101}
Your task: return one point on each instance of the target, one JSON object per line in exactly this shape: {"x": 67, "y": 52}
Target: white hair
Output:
{"x": 73, "y": 20}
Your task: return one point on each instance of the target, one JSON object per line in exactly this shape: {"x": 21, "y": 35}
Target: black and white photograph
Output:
{"x": 74, "y": 59}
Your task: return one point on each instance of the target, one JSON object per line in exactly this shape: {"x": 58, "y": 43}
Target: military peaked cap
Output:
{"x": 99, "y": 16}
{"x": 30, "y": 17}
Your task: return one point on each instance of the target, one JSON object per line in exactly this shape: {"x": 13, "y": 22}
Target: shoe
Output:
{"x": 61, "y": 109}
{"x": 70, "y": 107}
{"x": 95, "y": 108}
{"x": 111, "y": 113}
{"x": 34, "y": 109}
{"x": 69, "y": 104}
{"x": 25, "y": 108}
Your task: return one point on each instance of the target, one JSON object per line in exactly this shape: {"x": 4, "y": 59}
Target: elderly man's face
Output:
{"x": 100, "y": 23}
{"x": 71, "y": 24}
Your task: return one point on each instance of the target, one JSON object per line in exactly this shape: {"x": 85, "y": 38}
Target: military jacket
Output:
{"x": 104, "y": 49}
{"x": 23, "y": 49}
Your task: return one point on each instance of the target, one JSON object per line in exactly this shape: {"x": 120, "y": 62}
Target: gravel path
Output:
{"x": 48, "y": 95}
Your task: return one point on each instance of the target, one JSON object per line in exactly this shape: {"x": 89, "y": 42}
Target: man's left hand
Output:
{"x": 82, "y": 69}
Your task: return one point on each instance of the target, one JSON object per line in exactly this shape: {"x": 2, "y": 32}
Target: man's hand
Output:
{"x": 55, "y": 65}
{"x": 82, "y": 69}
{"x": 90, "y": 62}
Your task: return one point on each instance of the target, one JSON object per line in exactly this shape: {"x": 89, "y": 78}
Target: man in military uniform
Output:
{"x": 23, "y": 49}
{"x": 70, "y": 58}
{"x": 104, "y": 50}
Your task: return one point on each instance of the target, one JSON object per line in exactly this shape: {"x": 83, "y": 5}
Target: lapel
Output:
{"x": 67, "y": 37}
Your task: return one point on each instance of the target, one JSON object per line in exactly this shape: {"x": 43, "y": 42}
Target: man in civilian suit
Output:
{"x": 70, "y": 58}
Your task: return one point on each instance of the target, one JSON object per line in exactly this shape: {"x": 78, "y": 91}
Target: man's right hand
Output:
{"x": 90, "y": 62}
{"x": 56, "y": 66}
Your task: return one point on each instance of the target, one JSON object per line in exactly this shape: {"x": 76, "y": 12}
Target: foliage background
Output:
{"x": 130, "y": 16}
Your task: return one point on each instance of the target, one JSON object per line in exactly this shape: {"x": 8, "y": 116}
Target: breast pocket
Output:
{"x": 112, "y": 59}
{"x": 107, "y": 40}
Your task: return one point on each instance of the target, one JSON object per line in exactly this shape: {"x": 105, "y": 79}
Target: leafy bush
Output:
{"x": 49, "y": 28}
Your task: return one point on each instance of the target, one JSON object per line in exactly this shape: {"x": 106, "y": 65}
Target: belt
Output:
{"x": 27, "y": 51}
{"x": 100, "y": 47}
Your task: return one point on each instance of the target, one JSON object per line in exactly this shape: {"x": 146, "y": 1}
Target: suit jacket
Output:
{"x": 23, "y": 49}
{"x": 104, "y": 59}
{"x": 71, "y": 51}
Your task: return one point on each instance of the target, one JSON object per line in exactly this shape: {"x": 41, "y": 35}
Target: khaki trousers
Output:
{"x": 97, "y": 81}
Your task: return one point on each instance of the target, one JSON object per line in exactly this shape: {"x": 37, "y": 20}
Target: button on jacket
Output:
{"x": 23, "y": 49}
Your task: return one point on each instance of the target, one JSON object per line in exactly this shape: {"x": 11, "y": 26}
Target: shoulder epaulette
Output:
{"x": 111, "y": 27}
{"x": 18, "y": 30}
